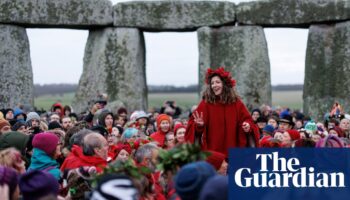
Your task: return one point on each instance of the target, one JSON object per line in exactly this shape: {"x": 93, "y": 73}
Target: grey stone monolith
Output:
{"x": 114, "y": 63}
{"x": 15, "y": 67}
{"x": 292, "y": 13}
{"x": 327, "y": 69}
{"x": 243, "y": 52}
{"x": 58, "y": 14}
{"x": 173, "y": 15}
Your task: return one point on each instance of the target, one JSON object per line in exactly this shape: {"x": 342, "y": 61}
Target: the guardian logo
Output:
{"x": 279, "y": 172}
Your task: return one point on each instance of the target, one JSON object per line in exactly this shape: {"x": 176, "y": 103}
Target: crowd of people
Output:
{"x": 119, "y": 154}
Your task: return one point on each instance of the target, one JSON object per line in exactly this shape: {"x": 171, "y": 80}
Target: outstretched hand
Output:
{"x": 198, "y": 119}
{"x": 246, "y": 127}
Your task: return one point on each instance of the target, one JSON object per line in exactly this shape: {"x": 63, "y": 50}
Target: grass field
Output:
{"x": 292, "y": 99}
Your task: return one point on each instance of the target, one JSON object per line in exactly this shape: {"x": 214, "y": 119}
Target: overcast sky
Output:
{"x": 57, "y": 55}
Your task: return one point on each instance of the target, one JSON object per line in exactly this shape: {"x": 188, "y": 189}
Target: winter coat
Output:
{"x": 41, "y": 161}
{"x": 76, "y": 159}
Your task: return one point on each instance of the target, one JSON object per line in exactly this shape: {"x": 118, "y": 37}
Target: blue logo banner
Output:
{"x": 289, "y": 174}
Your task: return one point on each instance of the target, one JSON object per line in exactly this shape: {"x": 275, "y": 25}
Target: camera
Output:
{"x": 103, "y": 102}
{"x": 170, "y": 103}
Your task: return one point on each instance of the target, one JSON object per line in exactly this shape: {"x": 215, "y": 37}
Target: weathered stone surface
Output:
{"x": 54, "y": 13}
{"x": 173, "y": 15}
{"x": 294, "y": 13}
{"x": 327, "y": 69}
{"x": 114, "y": 63}
{"x": 242, "y": 51}
{"x": 15, "y": 67}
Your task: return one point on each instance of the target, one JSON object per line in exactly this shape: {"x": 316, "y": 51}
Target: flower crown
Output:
{"x": 225, "y": 75}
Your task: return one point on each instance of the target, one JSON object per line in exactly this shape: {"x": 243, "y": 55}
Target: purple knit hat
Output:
{"x": 10, "y": 177}
{"x": 46, "y": 141}
{"x": 35, "y": 184}
{"x": 331, "y": 141}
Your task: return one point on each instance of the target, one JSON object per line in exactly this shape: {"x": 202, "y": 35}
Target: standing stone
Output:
{"x": 114, "y": 63}
{"x": 292, "y": 13}
{"x": 327, "y": 69}
{"x": 132, "y": 84}
{"x": 15, "y": 67}
{"x": 57, "y": 13}
{"x": 173, "y": 15}
{"x": 243, "y": 52}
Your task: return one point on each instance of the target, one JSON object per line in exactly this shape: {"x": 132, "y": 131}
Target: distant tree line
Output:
{"x": 60, "y": 89}
{"x": 292, "y": 87}
{"x": 54, "y": 89}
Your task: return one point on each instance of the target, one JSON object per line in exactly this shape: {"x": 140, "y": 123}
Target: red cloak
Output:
{"x": 223, "y": 127}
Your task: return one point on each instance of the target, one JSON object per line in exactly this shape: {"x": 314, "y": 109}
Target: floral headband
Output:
{"x": 225, "y": 75}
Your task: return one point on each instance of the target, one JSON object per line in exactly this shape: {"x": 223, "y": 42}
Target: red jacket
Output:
{"x": 159, "y": 137}
{"x": 222, "y": 127}
{"x": 77, "y": 159}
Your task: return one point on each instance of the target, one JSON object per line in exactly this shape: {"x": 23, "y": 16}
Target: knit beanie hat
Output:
{"x": 18, "y": 125}
{"x": 14, "y": 139}
{"x": 3, "y": 123}
{"x": 54, "y": 125}
{"x": 331, "y": 141}
{"x": 216, "y": 188}
{"x": 311, "y": 127}
{"x": 161, "y": 118}
{"x": 177, "y": 127}
{"x": 269, "y": 129}
{"x": 191, "y": 178}
{"x": 294, "y": 134}
{"x": 35, "y": 184}
{"x": 256, "y": 110}
{"x": 46, "y": 142}
{"x": 129, "y": 132}
{"x": 31, "y": 116}
{"x": 19, "y": 112}
{"x": 10, "y": 177}
{"x": 115, "y": 187}
{"x": 216, "y": 159}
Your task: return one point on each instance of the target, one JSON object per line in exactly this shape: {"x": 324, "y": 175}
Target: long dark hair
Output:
{"x": 228, "y": 95}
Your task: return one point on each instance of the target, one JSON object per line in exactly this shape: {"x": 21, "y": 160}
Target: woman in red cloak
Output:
{"x": 221, "y": 120}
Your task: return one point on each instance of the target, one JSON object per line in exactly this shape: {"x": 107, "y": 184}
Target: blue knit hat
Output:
{"x": 216, "y": 188}
{"x": 191, "y": 178}
{"x": 269, "y": 129}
